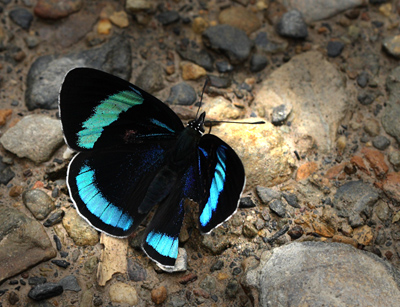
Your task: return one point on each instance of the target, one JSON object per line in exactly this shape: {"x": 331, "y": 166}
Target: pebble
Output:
{"x": 151, "y": 78}
{"x": 5, "y": 114}
{"x": 291, "y": 199}
{"x": 123, "y": 293}
{"x": 264, "y": 45}
{"x": 258, "y": 62}
{"x": 191, "y": 71}
{"x": 376, "y": 160}
{"x": 219, "y": 82}
{"x": 295, "y": 232}
{"x": 61, "y": 263}
{"x": 292, "y": 25}
{"x": 381, "y": 142}
{"x": 383, "y": 211}
{"x": 159, "y": 295}
{"x": 53, "y": 9}
{"x": 38, "y": 202}
{"x": 366, "y": 98}
{"x": 229, "y": 40}
{"x": 267, "y": 195}
{"x": 31, "y": 41}
{"x": 13, "y": 298}
{"x": 135, "y": 271}
{"x": 249, "y": 231}
{"x": 246, "y": 202}
{"x": 6, "y": 173}
{"x": 363, "y": 235}
{"x": 199, "y": 24}
{"x": 305, "y": 170}
{"x": 79, "y": 230}
{"x": 135, "y": 6}
{"x": 241, "y": 18}
{"x": 104, "y": 26}
{"x": 45, "y": 291}
{"x": 334, "y": 48}
{"x": 21, "y": 17}
{"x": 54, "y": 218}
{"x": 182, "y": 94}
{"x": 120, "y": 19}
{"x": 190, "y": 277}
{"x": 372, "y": 127}
{"x": 208, "y": 283}
{"x": 70, "y": 283}
{"x": 232, "y": 288}
{"x": 224, "y": 66}
{"x": 394, "y": 158}
{"x": 363, "y": 79}
{"x": 217, "y": 266}
{"x": 168, "y": 17}
{"x": 201, "y": 58}
{"x": 392, "y": 45}
{"x": 391, "y": 186}
{"x": 280, "y": 114}
{"x": 277, "y": 206}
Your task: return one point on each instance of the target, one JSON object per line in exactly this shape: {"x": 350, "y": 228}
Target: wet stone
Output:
{"x": 278, "y": 207}
{"x": 168, "y": 17}
{"x": 231, "y": 41}
{"x": 334, "y": 48}
{"x": 292, "y": 25}
{"x": 38, "y": 202}
{"x": 21, "y": 17}
{"x": 258, "y": 62}
{"x": 45, "y": 291}
{"x": 182, "y": 94}
{"x": 381, "y": 142}
{"x": 280, "y": 114}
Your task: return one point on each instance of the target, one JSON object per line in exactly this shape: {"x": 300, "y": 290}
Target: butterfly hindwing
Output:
{"x": 108, "y": 186}
{"x": 222, "y": 174}
{"x": 99, "y": 110}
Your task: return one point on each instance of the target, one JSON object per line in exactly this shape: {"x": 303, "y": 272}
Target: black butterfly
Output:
{"x": 135, "y": 153}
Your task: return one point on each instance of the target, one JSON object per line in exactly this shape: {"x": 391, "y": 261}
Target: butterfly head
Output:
{"x": 198, "y": 123}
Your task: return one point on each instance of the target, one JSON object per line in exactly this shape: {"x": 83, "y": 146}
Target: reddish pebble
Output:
{"x": 38, "y": 184}
{"x": 4, "y": 115}
{"x": 305, "y": 170}
{"x": 15, "y": 191}
{"x": 56, "y": 9}
{"x": 389, "y": 255}
{"x": 359, "y": 163}
{"x": 159, "y": 295}
{"x": 188, "y": 278}
{"x": 391, "y": 186}
{"x": 377, "y": 161}
{"x": 334, "y": 171}
{"x": 201, "y": 292}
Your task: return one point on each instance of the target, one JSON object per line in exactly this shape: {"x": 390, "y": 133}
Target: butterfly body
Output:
{"x": 134, "y": 154}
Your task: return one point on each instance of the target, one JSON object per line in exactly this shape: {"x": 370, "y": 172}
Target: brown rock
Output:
{"x": 192, "y": 71}
{"x": 188, "y": 278}
{"x": 334, "y": 171}
{"x": 391, "y": 186}
{"x": 199, "y": 24}
{"x": 323, "y": 229}
{"x": 239, "y": 17}
{"x": 56, "y": 9}
{"x": 16, "y": 191}
{"x": 120, "y": 19}
{"x": 377, "y": 161}
{"x": 345, "y": 240}
{"x": 104, "y": 26}
{"x": 201, "y": 292}
{"x": 363, "y": 235}
{"x": 4, "y": 115}
{"x": 159, "y": 295}
{"x": 359, "y": 163}
{"x": 306, "y": 170}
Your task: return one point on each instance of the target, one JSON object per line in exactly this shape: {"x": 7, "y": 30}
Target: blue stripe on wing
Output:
{"x": 97, "y": 204}
{"x": 163, "y": 244}
{"x": 217, "y": 185}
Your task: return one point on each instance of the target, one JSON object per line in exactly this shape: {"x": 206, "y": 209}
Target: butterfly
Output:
{"x": 134, "y": 153}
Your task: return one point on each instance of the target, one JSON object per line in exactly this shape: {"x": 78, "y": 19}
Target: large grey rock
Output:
{"x": 316, "y": 90}
{"x": 391, "y": 113}
{"x": 322, "y": 274}
{"x": 47, "y": 72}
{"x": 23, "y": 242}
{"x": 35, "y": 137}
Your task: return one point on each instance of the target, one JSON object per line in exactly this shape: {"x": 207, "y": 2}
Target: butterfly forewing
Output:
{"x": 223, "y": 177}
{"x": 99, "y": 110}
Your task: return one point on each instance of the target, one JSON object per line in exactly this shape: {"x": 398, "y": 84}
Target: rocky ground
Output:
{"x": 319, "y": 221}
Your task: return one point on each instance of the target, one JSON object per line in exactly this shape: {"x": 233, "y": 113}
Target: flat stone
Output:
{"x": 231, "y": 41}
{"x": 56, "y": 9}
{"x": 314, "y": 83}
{"x": 23, "y": 243}
{"x": 277, "y": 206}
{"x": 45, "y": 291}
{"x": 241, "y": 18}
{"x": 267, "y": 195}
{"x": 301, "y": 267}
{"x": 391, "y": 187}
{"x": 35, "y": 137}
{"x": 376, "y": 160}
{"x": 305, "y": 170}
{"x": 21, "y": 17}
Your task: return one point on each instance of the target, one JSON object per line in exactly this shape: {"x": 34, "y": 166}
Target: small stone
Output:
{"x": 61, "y": 263}
{"x": 382, "y": 210}
{"x": 13, "y": 298}
{"x": 392, "y": 45}
{"x": 292, "y": 25}
{"x": 377, "y": 161}
{"x": 79, "y": 230}
{"x": 372, "y": 127}
{"x": 305, "y": 170}
{"x": 168, "y": 17}
{"x": 246, "y": 202}
{"x": 135, "y": 271}
{"x": 394, "y": 158}
{"x": 280, "y": 114}
{"x": 278, "y": 207}
{"x": 159, "y": 295}
{"x": 120, "y": 19}
{"x": 32, "y": 41}
{"x": 241, "y": 18}
{"x": 70, "y": 283}
{"x": 291, "y": 199}
{"x": 334, "y": 48}
{"x": 54, "y": 218}
{"x": 21, "y": 17}
{"x": 104, "y": 26}
{"x": 38, "y": 203}
{"x": 36, "y": 280}
{"x": 182, "y": 94}
{"x": 249, "y": 231}
{"x": 45, "y": 291}
{"x": 5, "y": 114}
{"x": 199, "y": 24}
{"x": 362, "y": 79}
{"x": 192, "y": 71}
{"x": 201, "y": 58}
{"x": 187, "y": 278}
{"x": 16, "y": 191}
{"x": 232, "y": 288}
{"x": 56, "y": 9}
{"x": 223, "y": 66}
{"x": 123, "y": 293}
{"x": 323, "y": 229}
{"x": 135, "y": 6}
{"x": 217, "y": 266}
{"x": 363, "y": 235}
{"x": 341, "y": 144}
{"x": 365, "y": 98}
{"x": 391, "y": 186}
{"x": 151, "y": 78}
{"x": 295, "y": 232}
{"x": 381, "y": 142}
{"x": 266, "y": 194}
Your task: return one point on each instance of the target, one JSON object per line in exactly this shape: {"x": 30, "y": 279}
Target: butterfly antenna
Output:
{"x": 202, "y": 92}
